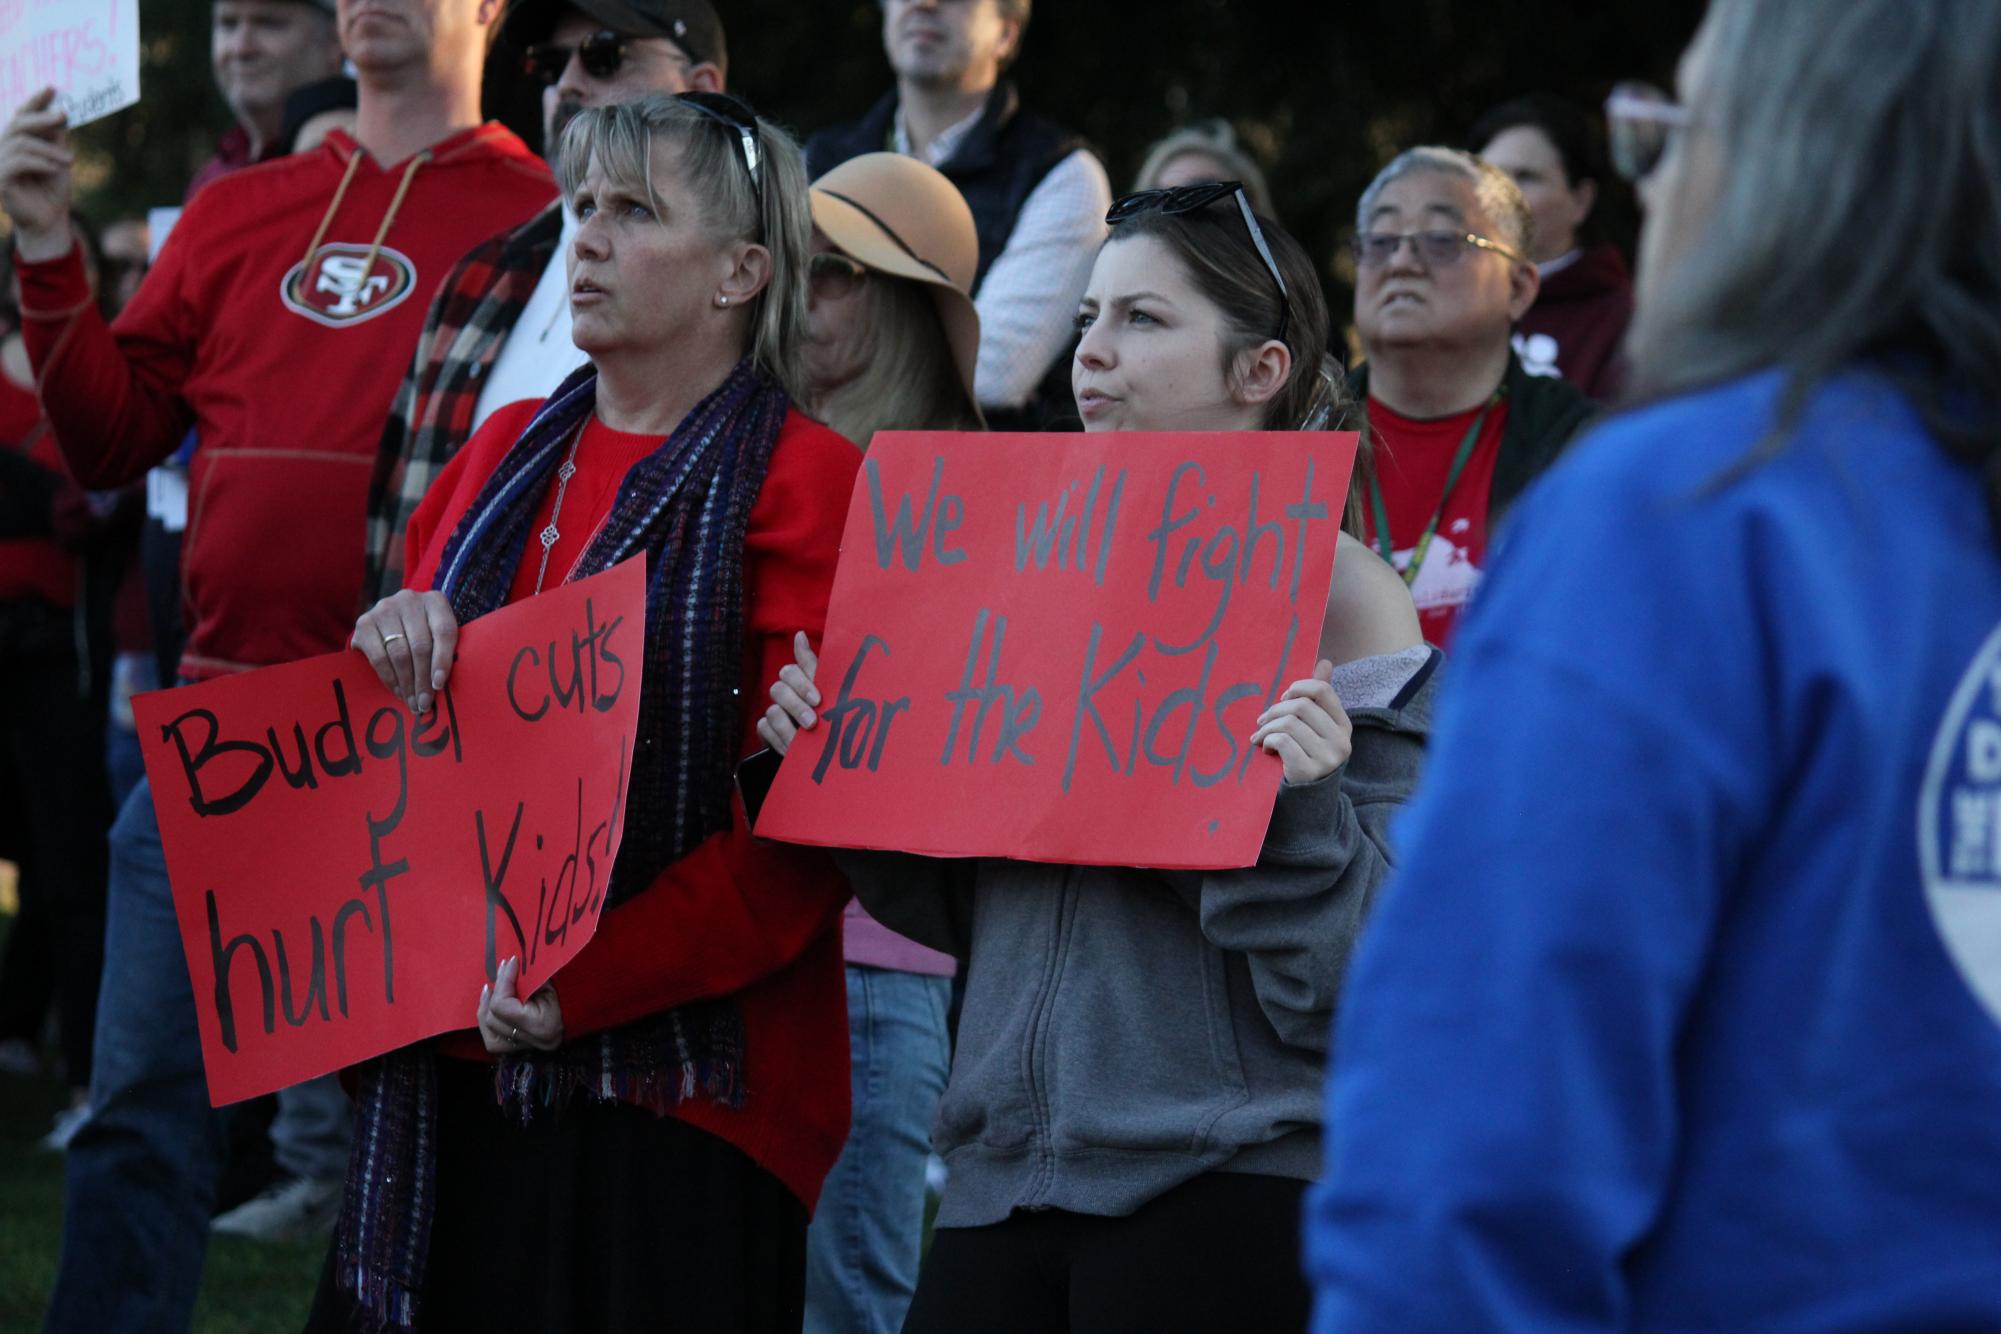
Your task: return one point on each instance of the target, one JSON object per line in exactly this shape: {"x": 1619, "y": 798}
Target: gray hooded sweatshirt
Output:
{"x": 1123, "y": 1029}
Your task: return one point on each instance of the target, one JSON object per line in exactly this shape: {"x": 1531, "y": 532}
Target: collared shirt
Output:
{"x": 1028, "y": 302}
{"x": 538, "y": 354}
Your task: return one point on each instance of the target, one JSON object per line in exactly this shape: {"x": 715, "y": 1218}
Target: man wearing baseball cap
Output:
{"x": 499, "y": 329}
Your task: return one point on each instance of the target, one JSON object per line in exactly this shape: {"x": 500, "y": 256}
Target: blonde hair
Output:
{"x": 1214, "y": 139}
{"x": 909, "y": 380}
{"x": 620, "y": 139}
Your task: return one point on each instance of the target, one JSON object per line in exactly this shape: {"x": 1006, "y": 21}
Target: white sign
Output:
{"x": 87, "y": 50}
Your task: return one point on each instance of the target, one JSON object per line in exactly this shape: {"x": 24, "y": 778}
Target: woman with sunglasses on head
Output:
{"x": 640, "y": 1142}
{"x": 1693, "y": 1022}
{"x": 891, "y": 342}
{"x": 1133, "y": 1111}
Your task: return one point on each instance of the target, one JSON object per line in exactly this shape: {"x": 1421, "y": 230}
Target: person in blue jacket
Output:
{"x": 1683, "y": 1010}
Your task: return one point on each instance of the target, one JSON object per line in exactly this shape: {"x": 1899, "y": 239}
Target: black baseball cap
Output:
{"x": 691, "y": 25}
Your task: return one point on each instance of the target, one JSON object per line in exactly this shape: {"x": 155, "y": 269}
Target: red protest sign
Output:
{"x": 1056, "y": 647}
{"x": 347, "y": 876}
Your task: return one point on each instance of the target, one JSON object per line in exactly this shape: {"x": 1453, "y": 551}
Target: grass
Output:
{"x": 247, "y": 1288}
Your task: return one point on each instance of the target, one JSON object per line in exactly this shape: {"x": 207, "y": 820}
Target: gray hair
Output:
{"x": 1857, "y": 214}
{"x": 620, "y": 139}
{"x": 1498, "y": 195}
{"x": 1212, "y": 138}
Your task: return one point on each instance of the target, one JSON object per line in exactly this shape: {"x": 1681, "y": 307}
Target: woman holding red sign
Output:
{"x": 592, "y": 1157}
{"x": 1133, "y": 1111}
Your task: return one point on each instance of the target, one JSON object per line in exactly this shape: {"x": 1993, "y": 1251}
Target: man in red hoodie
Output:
{"x": 277, "y": 324}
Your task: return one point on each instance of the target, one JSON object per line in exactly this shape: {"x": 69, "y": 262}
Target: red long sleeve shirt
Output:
{"x": 285, "y": 370}
{"x": 736, "y": 916}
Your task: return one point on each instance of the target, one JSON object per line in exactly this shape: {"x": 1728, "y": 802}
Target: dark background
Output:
{"x": 1323, "y": 93}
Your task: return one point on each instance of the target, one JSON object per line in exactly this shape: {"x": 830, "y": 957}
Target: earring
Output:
{"x": 722, "y": 301}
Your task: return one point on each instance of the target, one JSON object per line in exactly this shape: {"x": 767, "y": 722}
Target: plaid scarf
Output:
{"x": 687, "y": 506}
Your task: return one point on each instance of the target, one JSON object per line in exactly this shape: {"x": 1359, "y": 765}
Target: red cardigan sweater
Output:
{"x": 737, "y": 916}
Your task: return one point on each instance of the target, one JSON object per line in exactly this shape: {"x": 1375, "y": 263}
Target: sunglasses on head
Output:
{"x": 734, "y": 114}
{"x": 1188, "y": 199}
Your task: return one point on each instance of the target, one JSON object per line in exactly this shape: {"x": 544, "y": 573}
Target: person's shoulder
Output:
{"x": 1369, "y": 607}
{"x": 497, "y": 434}
{"x": 811, "y": 451}
{"x": 1671, "y": 441}
{"x": 237, "y": 195}
{"x": 511, "y": 247}
{"x": 493, "y": 147}
{"x": 831, "y": 145}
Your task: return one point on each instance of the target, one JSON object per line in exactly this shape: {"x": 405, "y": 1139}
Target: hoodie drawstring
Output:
{"x": 388, "y": 218}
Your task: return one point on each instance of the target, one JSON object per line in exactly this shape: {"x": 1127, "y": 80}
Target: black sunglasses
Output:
{"x": 1189, "y": 198}
{"x": 738, "y": 116}
{"x": 601, "y": 54}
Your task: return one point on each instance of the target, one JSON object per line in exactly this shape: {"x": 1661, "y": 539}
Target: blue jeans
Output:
{"x": 863, "y": 1247}
{"x": 142, "y": 1171}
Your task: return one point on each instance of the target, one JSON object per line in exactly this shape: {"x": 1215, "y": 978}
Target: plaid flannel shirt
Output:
{"x": 475, "y": 309}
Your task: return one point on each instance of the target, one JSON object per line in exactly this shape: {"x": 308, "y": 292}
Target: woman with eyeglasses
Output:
{"x": 891, "y": 342}
{"x": 640, "y": 1142}
{"x": 1133, "y": 1110}
{"x": 1693, "y": 1020}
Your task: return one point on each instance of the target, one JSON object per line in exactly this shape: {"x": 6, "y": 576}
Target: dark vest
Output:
{"x": 998, "y": 165}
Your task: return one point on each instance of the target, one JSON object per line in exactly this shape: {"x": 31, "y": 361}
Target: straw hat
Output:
{"x": 898, "y": 216}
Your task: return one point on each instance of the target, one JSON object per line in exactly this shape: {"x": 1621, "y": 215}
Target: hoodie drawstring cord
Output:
{"x": 388, "y": 218}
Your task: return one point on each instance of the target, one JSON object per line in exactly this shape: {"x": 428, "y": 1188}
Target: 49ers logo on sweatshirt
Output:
{"x": 343, "y": 287}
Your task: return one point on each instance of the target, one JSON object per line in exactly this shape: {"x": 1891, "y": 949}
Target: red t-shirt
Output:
{"x": 1413, "y": 458}
{"x": 736, "y": 916}
{"x": 32, "y": 567}
{"x": 286, "y": 375}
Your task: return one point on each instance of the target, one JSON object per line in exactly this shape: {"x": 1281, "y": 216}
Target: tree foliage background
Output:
{"x": 1323, "y": 93}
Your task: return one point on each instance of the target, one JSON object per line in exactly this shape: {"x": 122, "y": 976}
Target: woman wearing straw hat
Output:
{"x": 891, "y": 331}
{"x": 890, "y": 346}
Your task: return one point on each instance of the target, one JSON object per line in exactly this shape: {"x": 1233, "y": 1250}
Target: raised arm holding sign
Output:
{"x": 1053, "y": 661}
{"x": 1074, "y": 648}
{"x": 348, "y": 874}
{"x": 84, "y": 52}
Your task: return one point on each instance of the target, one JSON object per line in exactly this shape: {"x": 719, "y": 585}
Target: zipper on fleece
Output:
{"x": 1035, "y": 1057}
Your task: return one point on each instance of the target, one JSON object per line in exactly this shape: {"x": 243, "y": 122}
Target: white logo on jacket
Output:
{"x": 1959, "y": 826}
{"x": 345, "y": 286}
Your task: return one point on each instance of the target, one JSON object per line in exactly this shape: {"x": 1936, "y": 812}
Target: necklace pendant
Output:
{"x": 549, "y": 536}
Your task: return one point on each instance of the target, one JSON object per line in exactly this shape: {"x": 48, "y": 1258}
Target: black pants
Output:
{"x": 1218, "y": 1253}
{"x": 601, "y": 1218}
{"x": 52, "y": 780}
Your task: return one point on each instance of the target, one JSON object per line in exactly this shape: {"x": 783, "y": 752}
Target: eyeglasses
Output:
{"x": 732, "y": 112}
{"x": 1187, "y": 199}
{"x": 1435, "y": 249}
{"x": 835, "y": 275}
{"x": 1640, "y": 123}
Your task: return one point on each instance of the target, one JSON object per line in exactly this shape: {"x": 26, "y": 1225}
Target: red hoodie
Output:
{"x": 285, "y": 372}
